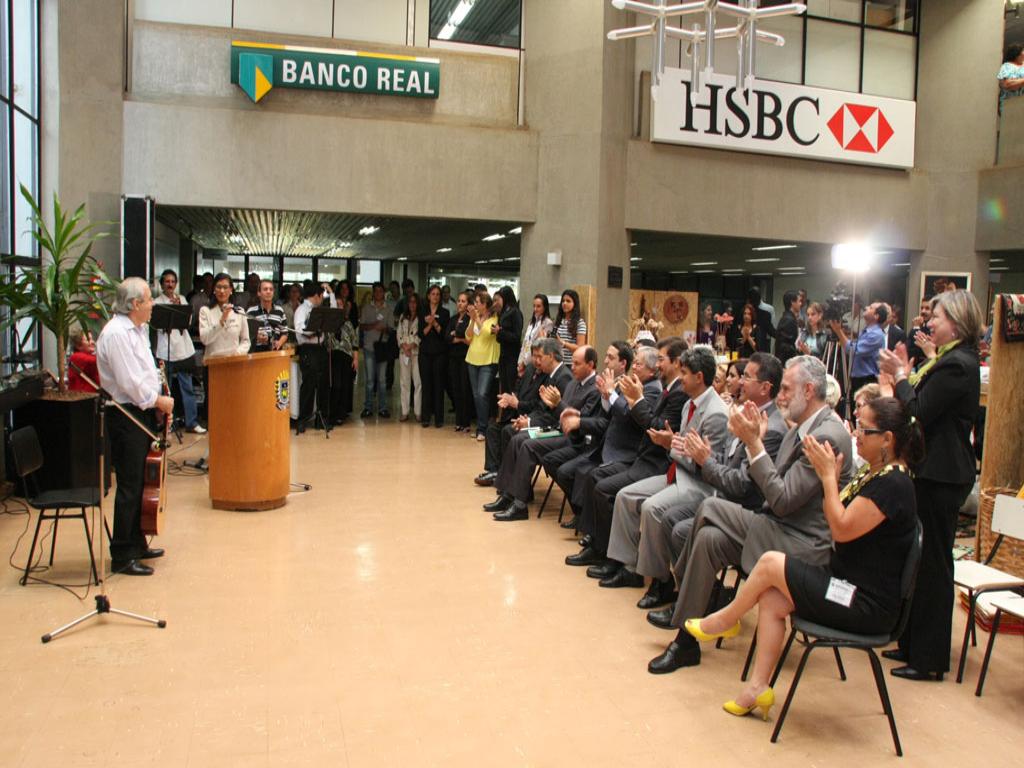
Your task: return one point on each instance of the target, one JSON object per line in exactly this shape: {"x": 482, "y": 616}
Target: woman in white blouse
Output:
{"x": 540, "y": 327}
{"x": 222, "y": 330}
{"x": 408, "y": 336}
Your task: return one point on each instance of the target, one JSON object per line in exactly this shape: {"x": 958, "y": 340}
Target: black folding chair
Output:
{"x": 52, "y": 505}
{"x": 817, "y": 636}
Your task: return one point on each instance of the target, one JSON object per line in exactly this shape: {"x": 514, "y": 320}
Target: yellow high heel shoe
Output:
{"x": 764, "y": 701}
{"x": 693, "y": 627}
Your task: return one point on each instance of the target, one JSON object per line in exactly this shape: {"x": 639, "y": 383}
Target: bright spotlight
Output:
{"x": 852, "y": 257}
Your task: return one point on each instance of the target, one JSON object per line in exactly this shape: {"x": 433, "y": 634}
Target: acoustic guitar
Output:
{"x": 154, "y": 489}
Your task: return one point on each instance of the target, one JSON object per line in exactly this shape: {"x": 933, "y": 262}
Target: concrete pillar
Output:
{"x": 960, "y": 49}
{"x": 579, "y": 97}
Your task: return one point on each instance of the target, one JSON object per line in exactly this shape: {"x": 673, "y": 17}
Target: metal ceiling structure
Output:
{"x": 342, "y": 235}
{"x": 489, "y": 22}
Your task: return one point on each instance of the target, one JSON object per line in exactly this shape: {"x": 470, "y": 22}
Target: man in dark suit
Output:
{"x": 611, "y": 437}
{"x": 513, "y": 482}
{"x": 511, "y": 406}
{"x": 763, "y": 321}
{"x": 789, "y": 329}
{"x": 893, "y": 333}
{"x": 791, "y": 520}
{"x": 915, "y": 354}
{"x": 603, "y": 483}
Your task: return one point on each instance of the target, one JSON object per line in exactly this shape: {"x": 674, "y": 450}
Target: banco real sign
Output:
{"x": 258, "y": 67}
{"x": 785, "y": 119}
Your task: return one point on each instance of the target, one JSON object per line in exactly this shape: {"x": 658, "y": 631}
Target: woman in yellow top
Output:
{"x": 482, "y": 358}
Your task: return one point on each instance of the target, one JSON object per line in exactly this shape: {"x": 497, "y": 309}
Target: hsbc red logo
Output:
{"x": 860, "y": 128}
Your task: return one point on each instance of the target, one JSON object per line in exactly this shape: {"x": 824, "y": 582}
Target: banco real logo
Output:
{"x": 258, "y": 67}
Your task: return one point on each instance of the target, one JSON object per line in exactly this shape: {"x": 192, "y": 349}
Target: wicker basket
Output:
{"x": 1010, "y": 557}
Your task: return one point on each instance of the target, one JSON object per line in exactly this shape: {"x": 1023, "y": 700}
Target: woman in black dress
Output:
{"x": 433, "y": 357}
{"x": 458, "y": 377}
{"x": 509, "y": 330}
{"x": 746, "y": 332}
{"x": 873, "y": 522}
{"x": 943, "y": 396}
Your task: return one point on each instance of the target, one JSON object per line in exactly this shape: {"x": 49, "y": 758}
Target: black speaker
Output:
{"x": 138, "y": 237}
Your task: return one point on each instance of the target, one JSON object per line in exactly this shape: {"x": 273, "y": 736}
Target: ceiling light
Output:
{"x": 403, "y": 258}
{"x": 635, "y": 258}
{"x": 491, "y": 238}
{"x": 444, "y": 250}
{"x": 999, "y": 269}
{"x": 703, "y": 271}
{"x": 368, "y": 230}
{"x": 760, "y": 274}
{"x": 480, "y": 261}
{"x": 732, "y": 270}
{"x": 512, "y": 258}
{"x": 494, "y": 261}
{"x": 773, "y": 248}
{"x": 901, "y": 264}
{"x": 344, "y": 244}
{"x": 678, "y": 272}
{"x": 632, "y": 245}
{"x": 852, "y": 257}
{"x": 996, "y": 260}
{"x": 457, "y": 17}
{"x": 516, "y": 231}
{"x": 703, "y": 263}
{"x": 762, "y": 260}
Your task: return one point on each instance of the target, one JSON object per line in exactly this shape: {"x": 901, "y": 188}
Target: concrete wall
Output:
{"x": 1001, "y": 209}
{"x": 1011, "y": 132}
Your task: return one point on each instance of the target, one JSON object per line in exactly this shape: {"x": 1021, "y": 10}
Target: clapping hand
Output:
{"x": 520, "y": 422}
{"x": 886, "y": 384}
{"x": 662, "y": 437}
{"x": 632, "y": 388}
{"x": 551, "y": 396}
{"x": 605, "y": 382}
{"x": 925, "y": 344}
{"x": 569, "y": 420}
{"x": 892, "y": 362}
{"x": 827, "y": 464}
{"x": 749, "y": 424}
{"x": 696, "y": 447}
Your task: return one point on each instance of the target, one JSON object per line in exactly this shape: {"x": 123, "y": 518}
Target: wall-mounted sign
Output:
{"x": 785, "y": 119}
{"x": 259, "y": 67}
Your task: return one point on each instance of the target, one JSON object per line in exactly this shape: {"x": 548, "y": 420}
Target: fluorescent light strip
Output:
{"x": 635, "y": 258}
{"x": 773, "y": 247}
{"x": 999, "y": 269}
{"x": 491, "y": 238}
{"x": 996, "y": 260}
{"x": 901, "y": 264}
{"x": 762, "y": 261}
{"x": 703, "y": 263}
{"x": 732, "y": 270}
{"x": 703, "y": 271}
{"x": 516, "y": 231}
{"x": 444, "y": 250}
{"x": 678, "y": 272}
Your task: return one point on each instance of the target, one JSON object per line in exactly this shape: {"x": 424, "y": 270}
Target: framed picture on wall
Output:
{"x": 937, "y": 282}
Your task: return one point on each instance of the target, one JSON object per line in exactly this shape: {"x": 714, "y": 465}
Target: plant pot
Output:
{"x": 68, "y": 435}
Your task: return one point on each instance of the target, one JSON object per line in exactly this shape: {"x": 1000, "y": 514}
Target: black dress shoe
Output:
{"x": 663, "y": 618}
{"x": 586, "y": 540}
{"x": 151, "y": 554}
{"x": 674, "y": 657}
{"x": 585, "y": 556}
{"x": 571, "y": 524}
{"x": 367, "y": 413}
{"x": 500, "y": 504}
{"x": 895, "y": 654}
{"x": 485, "y": 478}
{"x": 909, "y": 673}
{"x": 659, "y": 593}
{"x": 622, "y": 578}
{"x": 517, "y": 511}
{"x": 605, "y": 570}
{"x": 130, "y": 568}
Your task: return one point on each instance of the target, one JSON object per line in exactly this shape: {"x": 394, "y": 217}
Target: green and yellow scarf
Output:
{"x": 920, "y": 373}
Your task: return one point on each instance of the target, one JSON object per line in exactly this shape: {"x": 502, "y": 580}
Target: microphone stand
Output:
{"x": 102, "y": 600}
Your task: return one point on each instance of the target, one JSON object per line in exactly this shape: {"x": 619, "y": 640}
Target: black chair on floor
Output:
{"x": 817, "y": 636}
{"x": 55, "y": 505}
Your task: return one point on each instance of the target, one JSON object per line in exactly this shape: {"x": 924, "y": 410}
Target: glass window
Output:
{"x": 889, "y": 62}
{"x": 898, "y": 15}
{"x": 382, "y": 21}
{"x": 833, "y": 55}
{"x": 5, "y": 180}
{"x": 482, "y": 22}
{"x": 3, "y": 47}
{"x": 331, "y": 269}
{"x": 264, "y": 266}
{"x": 25, "y": 56}
{"x": 782, "y": 63}
{"x": 296, "y": 17}
{"x": 297, "y": 269}
{"x": 26, "y": 158}
{"x": 208, "y": 13}
{"x": 842, "y": 10}
{"x": 367, "y": 271}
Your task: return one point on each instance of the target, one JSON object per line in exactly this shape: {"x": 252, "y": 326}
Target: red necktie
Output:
{"x": 671, "y": 474}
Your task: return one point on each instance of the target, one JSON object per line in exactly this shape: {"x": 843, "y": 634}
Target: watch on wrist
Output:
{"x": 900, "y": 374}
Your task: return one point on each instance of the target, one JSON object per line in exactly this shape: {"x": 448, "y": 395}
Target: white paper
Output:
{"x": 840, "y": 592}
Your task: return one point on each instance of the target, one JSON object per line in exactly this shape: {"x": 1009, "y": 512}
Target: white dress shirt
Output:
{"x": 301, "y": 317}
{"x": 232, "y": 338}
{"x": 126, "y": 363}
{"x": 180, "y": 345}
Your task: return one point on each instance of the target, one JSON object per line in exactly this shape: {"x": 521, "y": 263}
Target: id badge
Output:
{"x": 840, "y": 592}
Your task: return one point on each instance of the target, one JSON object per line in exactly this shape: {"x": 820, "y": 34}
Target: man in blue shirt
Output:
{"x": 864, "y": 349}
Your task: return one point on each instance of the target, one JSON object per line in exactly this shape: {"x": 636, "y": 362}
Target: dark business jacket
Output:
{"x": 945, "y": 402}
{"x": 581, "y": 395}
{"x": 785, "y": 337}
{"x": 510, "y": 332}
{"x": 542, "y": 416}
{"x": 763, "y": 330}
{"x": 727, "y": 471}
{"x": 895, "y": 336}
{"x": 435, "y": 342}
{"x": 668, "y": 408}
{"x": 614, "y": 435}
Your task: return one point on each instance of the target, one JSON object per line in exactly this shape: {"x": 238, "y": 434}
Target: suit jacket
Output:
{"x": 896, "y": 335}
{"x": 542, "y": 416}
{"x": 945, "y": 402}
{"x": 510, "y": 333}
{"x": 792, "y": 519}
{"x": 668, "y": 408}
{"x": 763, "y": 331}
{"x": 711, "y": 420}
{"x": 728, "y": 471}
{"x": 435, "y": 342}
{"x": 581, "y": 395}
{"x": 785, "y": 336}
{"x": 614, "y": 435}
{"x": 527, "y": 392}
{"x": 913, "y": 351}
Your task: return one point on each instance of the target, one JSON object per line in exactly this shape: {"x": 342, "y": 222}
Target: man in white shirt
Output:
{"x": 131, "y": 378}
{"x": 175, "y": 348}
{"x": 312, "y": 358}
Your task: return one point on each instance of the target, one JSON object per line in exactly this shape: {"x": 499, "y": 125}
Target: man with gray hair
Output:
{"x": 131, "y": 378}
{"x": 791, "y": 519}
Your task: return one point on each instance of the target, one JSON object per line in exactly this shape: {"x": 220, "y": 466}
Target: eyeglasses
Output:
{"x": 869, "y": 430}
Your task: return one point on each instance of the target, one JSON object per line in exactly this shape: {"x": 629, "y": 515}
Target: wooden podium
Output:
{"x": 248, "y": 403}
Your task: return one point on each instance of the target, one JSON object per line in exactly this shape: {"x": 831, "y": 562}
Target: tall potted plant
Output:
{"x": 69, "y": 288}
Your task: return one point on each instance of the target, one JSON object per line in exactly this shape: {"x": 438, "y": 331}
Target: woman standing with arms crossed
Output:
{"x": 943, "y": 396}
{"x": 458, "y": 378}
{"x": 482, "y": 358}
{"x": 433, "y": 357}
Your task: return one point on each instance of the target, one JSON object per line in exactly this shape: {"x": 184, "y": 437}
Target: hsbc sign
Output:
{"x": 785, "y": 119}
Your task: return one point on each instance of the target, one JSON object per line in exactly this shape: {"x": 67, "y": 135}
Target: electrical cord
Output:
{"x": 36, "y": 568}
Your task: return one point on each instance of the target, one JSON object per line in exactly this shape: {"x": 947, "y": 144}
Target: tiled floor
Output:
{"x": 383, "y": 619}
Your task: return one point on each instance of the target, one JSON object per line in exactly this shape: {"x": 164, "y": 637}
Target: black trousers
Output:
{"x": 432, "y": 375}
{"x": 315, "y": 387}
{"x": 569, "y": 469}
{"x": 342, "y": 384}
{"x": 459, "y": 391}
{"x": 601, "y": 486}
{"x": 497, "y": 438}
{"x": 128, "y": 447}
{"x": 508, "y": 372}
{"x": 521, "y": 457}
{"x": 926, "y": 640}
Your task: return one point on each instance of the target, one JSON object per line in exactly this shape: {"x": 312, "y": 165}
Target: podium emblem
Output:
{"x": 282, "y": 391}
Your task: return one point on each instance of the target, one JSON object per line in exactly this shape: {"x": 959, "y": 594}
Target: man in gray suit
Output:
{"x": 707, "y": 416}
{"x": 664, "y": 531}
{"x": 791, "y": 520}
